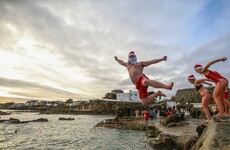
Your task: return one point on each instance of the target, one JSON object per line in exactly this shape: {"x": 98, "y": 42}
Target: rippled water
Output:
{"x": 67, "y": 135}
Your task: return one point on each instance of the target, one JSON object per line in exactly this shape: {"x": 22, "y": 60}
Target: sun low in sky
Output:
{"x": 65, "y": 49}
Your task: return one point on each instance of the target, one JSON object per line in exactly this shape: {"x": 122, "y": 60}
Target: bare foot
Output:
{"x": 219, "y": 114}
{"x": 207, "y": 121}
{"x": 161, "y": 93}
{"x": 170, "y": 86}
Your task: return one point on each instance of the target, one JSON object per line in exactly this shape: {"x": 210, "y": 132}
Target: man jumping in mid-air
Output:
{"x": 142, "y": 82}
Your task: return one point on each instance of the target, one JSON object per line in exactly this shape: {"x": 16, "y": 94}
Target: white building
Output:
{"x": 32, "y": 103}
{"x": 196, "y": 105}
{"x": 132, "y": 96}
{"x": 170, "y": 104}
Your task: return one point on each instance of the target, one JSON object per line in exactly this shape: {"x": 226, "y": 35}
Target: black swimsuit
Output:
{"x": 198, "y": 87}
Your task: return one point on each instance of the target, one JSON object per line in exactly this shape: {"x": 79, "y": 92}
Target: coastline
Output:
{"x": 155, "y": 132}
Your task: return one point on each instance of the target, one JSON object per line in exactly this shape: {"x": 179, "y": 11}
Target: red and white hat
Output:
{"x": 131, "y": 53}
{"x": 191, "y": 77}
{"x": 197, "y": 66}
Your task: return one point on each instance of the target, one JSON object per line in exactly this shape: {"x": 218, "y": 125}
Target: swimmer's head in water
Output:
{"x": 132, "y": 59}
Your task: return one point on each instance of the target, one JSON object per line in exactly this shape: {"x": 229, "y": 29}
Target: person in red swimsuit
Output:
{"x": 138, "y": 78}
{"x": 206, "y": 95}
{"x": 220, "y": 81}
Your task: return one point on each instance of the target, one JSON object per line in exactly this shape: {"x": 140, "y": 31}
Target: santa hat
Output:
{"x": 131, "y": 53}
{"x": 197, "y": 66}
{"x": 191, "y": 77}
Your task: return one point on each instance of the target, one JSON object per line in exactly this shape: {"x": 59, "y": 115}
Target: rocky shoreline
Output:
{"x": 17, "y": 121}
{"x": 169, "y": 133}
{"x": 193, "y": 134}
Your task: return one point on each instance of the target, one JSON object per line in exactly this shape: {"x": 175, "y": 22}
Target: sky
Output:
{"x": 58, "y": 50}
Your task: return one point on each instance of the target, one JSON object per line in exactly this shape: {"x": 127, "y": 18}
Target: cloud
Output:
{"x": 33, "y": 89}
{"x": 68, "y": 48}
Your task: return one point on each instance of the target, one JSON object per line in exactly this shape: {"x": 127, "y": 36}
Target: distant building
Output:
{"x": 196, "y": 105}
{"x": 170, "y": 103}
{"x": 32, "y": 103}
{"x": 132, "y": 96}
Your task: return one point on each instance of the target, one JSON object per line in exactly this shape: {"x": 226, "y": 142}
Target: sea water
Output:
{"x": 67, "y": 135}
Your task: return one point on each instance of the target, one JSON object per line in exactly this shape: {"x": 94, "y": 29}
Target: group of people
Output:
{"x": 152, "y": 114}
{"x": 181, "y": 111}
{"x": 220, "y": 93}
{"x": 142, "y": 82}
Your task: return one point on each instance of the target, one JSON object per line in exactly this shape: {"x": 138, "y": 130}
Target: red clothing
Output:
{"x": 168, "y": 113}
{"x": 146, "y": 115}
{"x": 215, "y": 76}
{"x": 141, "y": 88}
{"x": 226, "y": 95}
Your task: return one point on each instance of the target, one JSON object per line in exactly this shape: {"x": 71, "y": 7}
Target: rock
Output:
{"x": 171, "y": 125}
{"x": 163, "y": 142}
{"x": 215, "y": 136}
{"x": 129, "y": 124}
{"x": 200, "y": 129}
{"x": 40, "y": 120}
{"x": 166, "y": 140}
{"x": 169, "y": 142}
{"x": 14, "y": 121}
{"x": 180, "y": 124}
{"x": 172, "y": 120}
{"x": 4, "y": 113}
{"x": 153, "y": 132}
{"x": 184, "y": 142}
{"x": 17, "y": 121}
{"x": 61, "y": 118}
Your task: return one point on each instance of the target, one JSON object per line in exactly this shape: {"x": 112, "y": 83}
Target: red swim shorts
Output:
{"x": 141, "y": 88}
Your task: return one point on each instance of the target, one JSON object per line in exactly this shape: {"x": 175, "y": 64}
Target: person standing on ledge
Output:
{"x": 220, "y": 81}
{"x": 139, "y": 79}
{"x": 206, "y": 94}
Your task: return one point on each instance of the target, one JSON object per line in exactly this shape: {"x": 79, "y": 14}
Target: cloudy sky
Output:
{"x": 65, "y": 49}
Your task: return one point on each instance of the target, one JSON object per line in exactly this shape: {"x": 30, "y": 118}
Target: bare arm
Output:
{"x": 204, "y": 81}
{"x": 154, "y": 61}
{"x": 205, "y": 69}
{"x": 121, "y": 62}
{"x": 210, "y": 84}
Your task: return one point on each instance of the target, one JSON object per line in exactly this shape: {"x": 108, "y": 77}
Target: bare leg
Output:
{"x": 218, "y": 96}
{"x": 205, "y": 101}
{"x": 147, "y": 100}
{"x": 227, "y": 106}
{"x": 226, "y": 102}
{"x": 157, "y": 84}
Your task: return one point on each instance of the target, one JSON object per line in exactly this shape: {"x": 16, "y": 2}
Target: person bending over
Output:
{"x": 206, "y": 95}
{"x": 220, "y": 81}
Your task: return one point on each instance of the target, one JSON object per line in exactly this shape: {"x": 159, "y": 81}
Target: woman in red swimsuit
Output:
{"x": 220, "y": 81}
{"x": 206, "y": 95}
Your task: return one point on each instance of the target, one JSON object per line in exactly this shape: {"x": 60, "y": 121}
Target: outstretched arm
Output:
{"x": 199, "y": 81}
{"x": 210, "y": 84}
{"x": 154, "y": 61}
{"x": 205, "y": 69}
{"x": 120, "y": 61}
